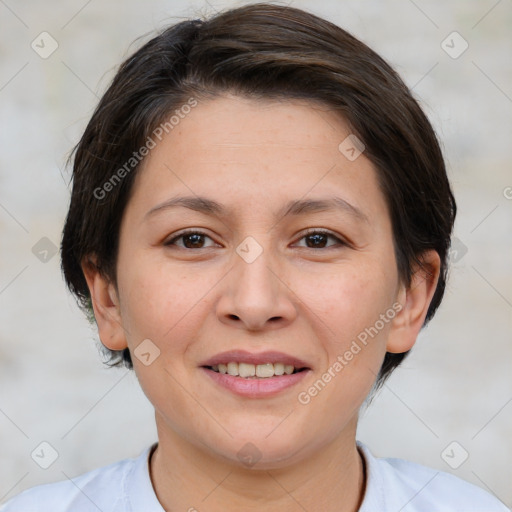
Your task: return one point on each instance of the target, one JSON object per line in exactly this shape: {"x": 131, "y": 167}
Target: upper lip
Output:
{"x": 242, "y": 356}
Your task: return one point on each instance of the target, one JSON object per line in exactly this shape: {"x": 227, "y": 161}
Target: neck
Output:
{"x": 188, "y": 478}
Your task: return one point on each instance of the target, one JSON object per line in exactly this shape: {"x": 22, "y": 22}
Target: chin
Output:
{"x": 259, "y": 452}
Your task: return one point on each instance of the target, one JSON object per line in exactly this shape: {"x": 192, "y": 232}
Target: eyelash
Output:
{"x": 310, "y": 232}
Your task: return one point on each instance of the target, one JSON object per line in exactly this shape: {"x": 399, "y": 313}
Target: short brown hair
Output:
{"x": 260, "y": 51}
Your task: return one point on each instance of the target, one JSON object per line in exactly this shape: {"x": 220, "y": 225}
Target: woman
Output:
{"x": 259, "y": 224}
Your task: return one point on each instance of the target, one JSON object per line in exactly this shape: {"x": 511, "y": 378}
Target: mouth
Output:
{"x": 255, "y": 375}
{"x": 254, "y": 371}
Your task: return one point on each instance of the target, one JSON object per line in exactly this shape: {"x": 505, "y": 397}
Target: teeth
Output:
{"x": 264, "y": 370}
{"x": 233, "y": 369}
{"x": 288, "y": 369}
{"x": 278, "y": 368}
{"x": 247, "y": 370}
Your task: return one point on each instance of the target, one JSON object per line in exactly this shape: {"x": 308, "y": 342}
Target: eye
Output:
{"x": 192, "y": 239}
{"x": 317, "y": 239}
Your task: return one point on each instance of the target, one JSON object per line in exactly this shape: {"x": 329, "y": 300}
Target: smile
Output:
{"x": 257, "y": 371}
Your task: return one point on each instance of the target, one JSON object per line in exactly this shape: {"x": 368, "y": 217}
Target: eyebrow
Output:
{"x": 292, "y": 208}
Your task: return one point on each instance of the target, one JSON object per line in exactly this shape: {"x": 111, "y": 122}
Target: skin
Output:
{"x": 253, "y": 156}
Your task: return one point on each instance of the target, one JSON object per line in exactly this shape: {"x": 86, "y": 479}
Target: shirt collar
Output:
{"x": 138, "y": 486}
{"x": 374, "y": 498}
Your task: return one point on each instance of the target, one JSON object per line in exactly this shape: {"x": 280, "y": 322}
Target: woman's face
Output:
{"x": 268, "y": 274}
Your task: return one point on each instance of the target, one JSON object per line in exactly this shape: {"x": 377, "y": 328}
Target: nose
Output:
{"x": 256, "y": 296}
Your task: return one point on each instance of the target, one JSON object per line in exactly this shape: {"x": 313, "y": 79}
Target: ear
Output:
{"x": 415, "y": 302}
{"x": 105, "y": 304}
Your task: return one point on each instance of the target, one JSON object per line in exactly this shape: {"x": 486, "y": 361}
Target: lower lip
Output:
{"x": 256, "y": 387}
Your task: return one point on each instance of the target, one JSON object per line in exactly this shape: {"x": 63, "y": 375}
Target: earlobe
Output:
{"x": 415, "y": 301}
{"x": 105, "y": 304}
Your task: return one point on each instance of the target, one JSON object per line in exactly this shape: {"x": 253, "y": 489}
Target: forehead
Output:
{"x": 262, "y": 150}
{"x": 230, "y": 124}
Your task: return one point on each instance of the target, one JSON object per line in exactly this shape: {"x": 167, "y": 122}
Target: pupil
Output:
{"x": 318, "y": 239}
{"x": 196, "y": 239}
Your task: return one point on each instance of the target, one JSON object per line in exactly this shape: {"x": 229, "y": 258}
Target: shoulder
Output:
{"x": 397, "y": 484}
{"x": 100, "y": 489}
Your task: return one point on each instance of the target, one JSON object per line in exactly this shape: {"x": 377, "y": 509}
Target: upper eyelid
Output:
{"x": 327, "y": 232}
{"x": 181, "y": 234}
{"x": 309, "y": 231}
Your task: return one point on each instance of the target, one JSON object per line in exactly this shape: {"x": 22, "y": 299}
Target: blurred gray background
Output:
{"x": 449, "y": 406}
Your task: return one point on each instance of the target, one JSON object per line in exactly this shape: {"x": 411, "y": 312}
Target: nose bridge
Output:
{"x": 254, "y": 282}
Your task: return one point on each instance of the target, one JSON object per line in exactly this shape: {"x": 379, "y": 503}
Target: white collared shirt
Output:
{"x": 392, "y": 485}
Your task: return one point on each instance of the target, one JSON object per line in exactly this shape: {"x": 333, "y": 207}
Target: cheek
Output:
{"x": 160, "y": 301}
{"x": 350, "y": 298}
{"x": 355, "y": 341}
